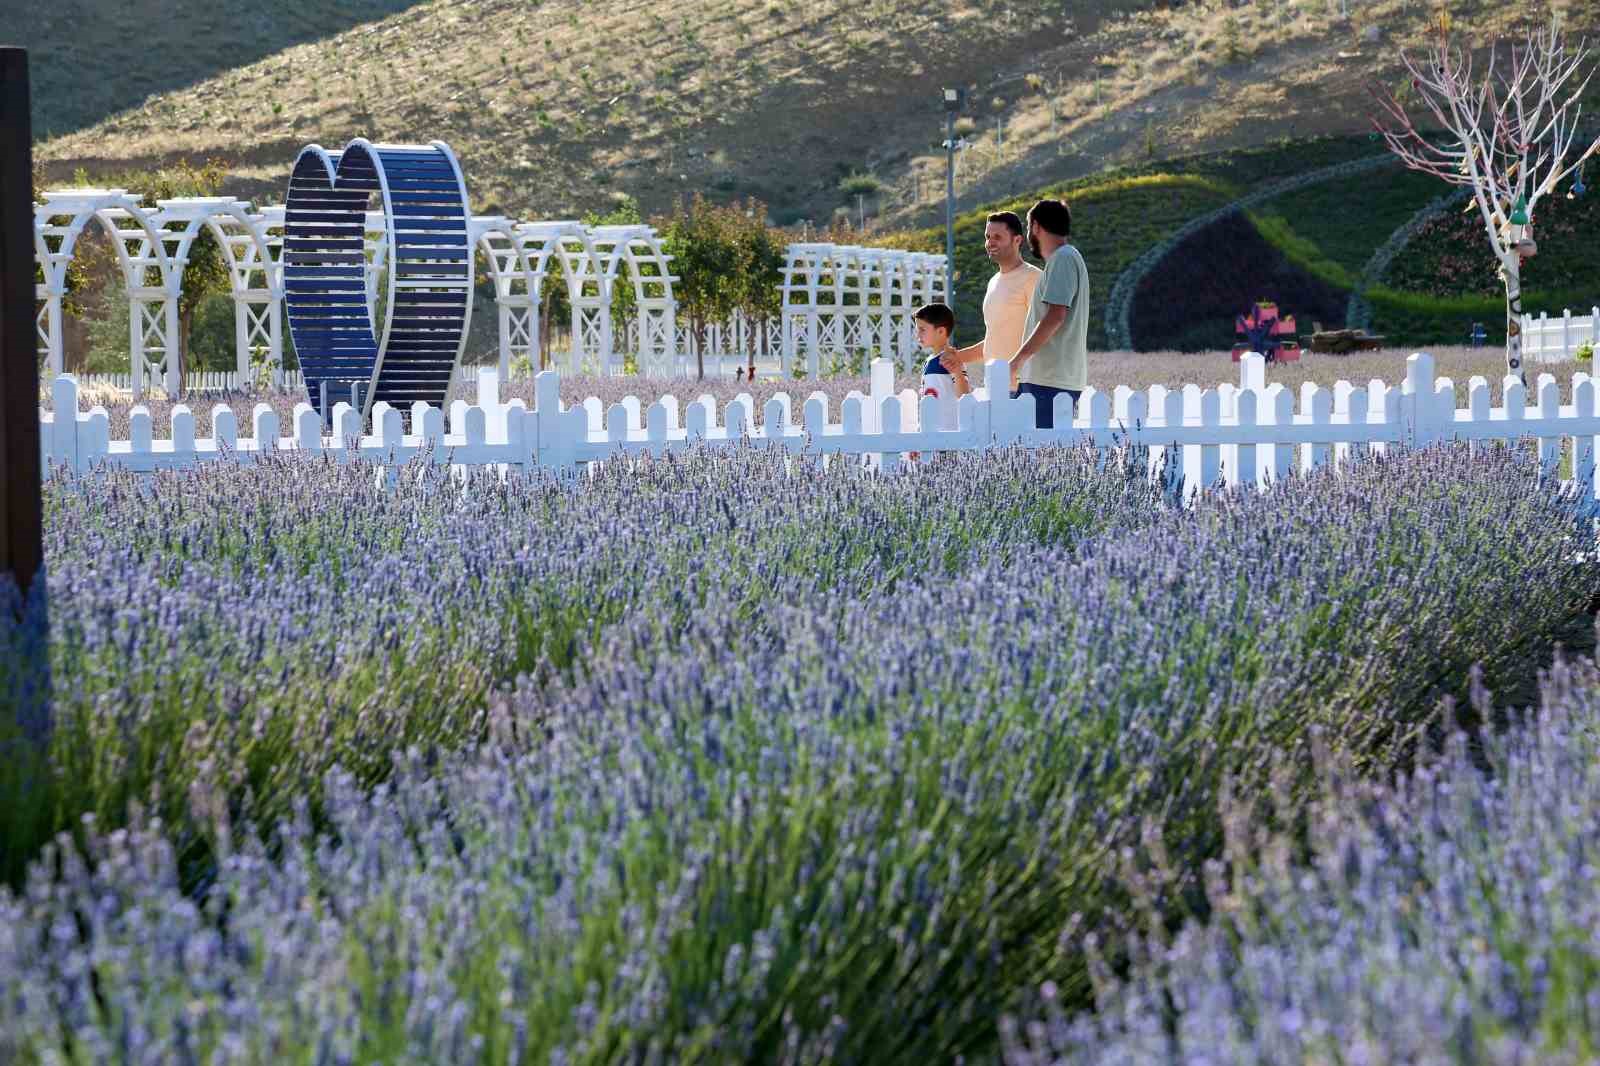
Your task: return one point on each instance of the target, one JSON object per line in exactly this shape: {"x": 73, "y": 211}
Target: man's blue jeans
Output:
{"x": 1044, "y": 401}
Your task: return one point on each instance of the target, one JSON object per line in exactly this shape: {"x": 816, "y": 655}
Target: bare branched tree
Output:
{"x": 1506, "y": 129}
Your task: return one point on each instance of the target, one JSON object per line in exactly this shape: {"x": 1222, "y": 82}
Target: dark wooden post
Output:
{"x": 21, "y": 542}
{"x": 21, "y": 520}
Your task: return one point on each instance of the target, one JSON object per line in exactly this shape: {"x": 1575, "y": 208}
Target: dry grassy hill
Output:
{"x": 560, "y": 106}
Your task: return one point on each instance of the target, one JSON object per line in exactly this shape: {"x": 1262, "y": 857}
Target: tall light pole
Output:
{"x": 954, "y": 99}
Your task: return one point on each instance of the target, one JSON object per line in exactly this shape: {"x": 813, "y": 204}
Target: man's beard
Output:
{"x": 1033, "y": 246}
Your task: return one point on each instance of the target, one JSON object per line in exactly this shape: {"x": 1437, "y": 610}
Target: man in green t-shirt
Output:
{"x": 1054, "y": 356}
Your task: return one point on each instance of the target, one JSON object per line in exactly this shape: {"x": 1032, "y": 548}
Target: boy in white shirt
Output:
{"x": 1005, "y": 303}
{"x": 936, "y": 324}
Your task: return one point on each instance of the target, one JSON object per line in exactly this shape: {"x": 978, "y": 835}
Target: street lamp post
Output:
{"x": 954, "y": 99}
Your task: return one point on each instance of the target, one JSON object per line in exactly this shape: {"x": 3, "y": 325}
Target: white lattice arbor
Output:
{"x": 254, "y": 279}
{"x": 518, "y": 283}
{"x": 849, "y": 301}
{"x": 147, "y": 270}
{"x": 889, "y": 297}
{"x": 376, "y": 246}
{"x": 807, "y": 290}
{"x": 588, "y": 288}
{"x": 638, "y": 247}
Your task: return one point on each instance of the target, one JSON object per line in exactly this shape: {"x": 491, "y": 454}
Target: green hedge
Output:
{"x": 1416, "y": 318}
{"x": 1346, "y": 221}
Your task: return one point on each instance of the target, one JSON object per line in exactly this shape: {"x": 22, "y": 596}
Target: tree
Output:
{"x": 1508, "y": 131}
{"x": 699, "y": 239}
{"x": 726, "y": 259}
{"x": 760, "y": 253}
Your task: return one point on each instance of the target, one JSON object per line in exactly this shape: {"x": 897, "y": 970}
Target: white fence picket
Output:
{"x": 1547, "y": 340}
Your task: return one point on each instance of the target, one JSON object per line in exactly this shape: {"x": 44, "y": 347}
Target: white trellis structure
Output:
{"x": 850, "y": 302}
{"x": 837, "y": 300}
{"x": 518, "y": 274}
{"x": 147, "y": 271}
{"x": 655, "y": 309}
{"x": 255, "y": 281}
{"x": 592, "y": 259}
{"x": 588, "y": 291}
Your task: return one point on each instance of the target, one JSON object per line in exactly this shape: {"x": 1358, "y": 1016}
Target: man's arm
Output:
{"x": 954, "y": 358}
{"x": 1055, "y": 316}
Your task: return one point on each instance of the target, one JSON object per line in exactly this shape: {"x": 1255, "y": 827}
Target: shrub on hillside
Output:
{"x": 1190, "y": 300}
{"x": 1450, "y": 256}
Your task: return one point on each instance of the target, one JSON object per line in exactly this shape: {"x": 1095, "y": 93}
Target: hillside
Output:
{"x": 139, "y": 49}
{"x": 562, "y": 106}
{"x": 1119, "y": 215}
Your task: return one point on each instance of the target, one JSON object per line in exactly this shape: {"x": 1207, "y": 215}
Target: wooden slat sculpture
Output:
{"x": 427, "y": 296}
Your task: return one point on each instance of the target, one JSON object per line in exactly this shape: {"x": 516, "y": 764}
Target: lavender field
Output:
{"x": 720, "y": 759}
{"x": 1447, "y": 915}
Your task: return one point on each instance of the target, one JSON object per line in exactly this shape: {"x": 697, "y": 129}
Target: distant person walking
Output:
{"x": 1053, "y": 357}
{"x": 1005, "y": 302}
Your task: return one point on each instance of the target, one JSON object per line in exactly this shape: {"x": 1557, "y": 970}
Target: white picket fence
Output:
{"x": 201, "y": 381}
{"x": 1254, "y": 428}
{"x": 1552, "y": 340}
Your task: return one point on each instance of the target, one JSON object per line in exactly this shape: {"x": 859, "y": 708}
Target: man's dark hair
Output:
{"x": 1010, "y": 221}
{"x": 936, "y": 315}
{"x": 1053, "y": 216}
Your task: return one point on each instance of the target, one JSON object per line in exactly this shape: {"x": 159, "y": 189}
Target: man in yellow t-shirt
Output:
{"x": 1054, "y": 355}
{"x": 1005, "y": 304}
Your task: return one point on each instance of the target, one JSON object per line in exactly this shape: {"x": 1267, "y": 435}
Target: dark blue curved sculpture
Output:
{"x": 424, "y": 202}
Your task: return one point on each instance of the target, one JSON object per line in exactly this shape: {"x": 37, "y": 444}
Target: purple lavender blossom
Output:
{"x": 713, "y": 760}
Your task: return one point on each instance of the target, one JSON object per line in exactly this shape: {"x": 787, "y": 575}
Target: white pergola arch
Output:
{"x": 147, "y": 270}
{"x": 588, "y": 289}
{"x": 847, "y": 299}
{"x": 376, "y": 246}
{"x": 656, "y": 309}
{"x": 592, "y": 258}
{"x": 518, "y": 284}
{"x": 519, "y": 255}
{"x": 153, "y": 246}
{"x": 254, "y": 277}
{"x": 807, "y": 297}
{"x": 930, "y": 276}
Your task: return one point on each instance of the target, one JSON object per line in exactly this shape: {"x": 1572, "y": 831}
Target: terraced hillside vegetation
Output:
{"x": 1310, "y": 249}
{"x": 1118, "y": 216}
{"x": 559, "y": 107}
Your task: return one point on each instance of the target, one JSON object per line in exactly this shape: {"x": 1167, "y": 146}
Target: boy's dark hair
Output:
{"x": 1010, "y": 221}
{"x": 1053, "y": 216}
{"x": 936, "y": 315}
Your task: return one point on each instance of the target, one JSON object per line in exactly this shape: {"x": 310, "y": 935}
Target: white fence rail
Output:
{"x": 200, "y": 381}
{"x": 1254, "y": 429}
{"x": 1552, "y": 340}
